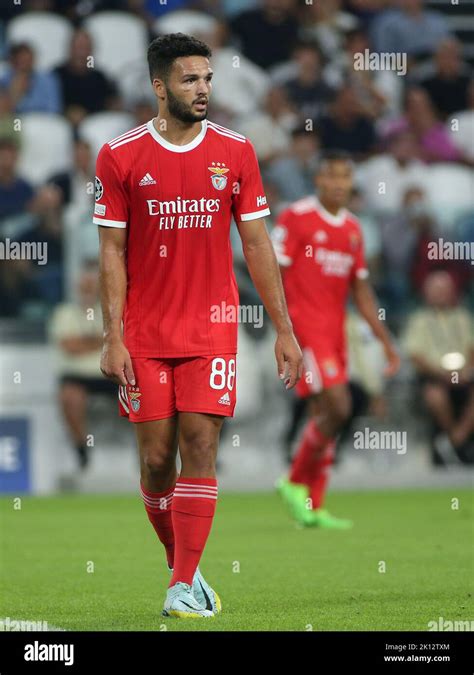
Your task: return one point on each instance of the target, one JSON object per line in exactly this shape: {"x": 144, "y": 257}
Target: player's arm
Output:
{"x": 365, "y": 301}
{"x": 264, "y": 271}
{"x": 115, "y": 362}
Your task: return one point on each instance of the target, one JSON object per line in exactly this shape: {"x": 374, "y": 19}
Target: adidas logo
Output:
{"x": 147, "y": 180}
{"x": 224, "y": 400}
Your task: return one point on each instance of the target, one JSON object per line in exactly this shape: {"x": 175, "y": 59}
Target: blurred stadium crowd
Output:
{"x": 73, "y": 75}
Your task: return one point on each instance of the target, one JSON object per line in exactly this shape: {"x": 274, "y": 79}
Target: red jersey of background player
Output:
{"x": 177, "y": 203}
{"x": 321, "y": 254}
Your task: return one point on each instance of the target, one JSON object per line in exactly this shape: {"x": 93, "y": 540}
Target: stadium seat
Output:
{"x": 185, "y": 21}
{"x": 101, "y": 127}
{"x": 449, "y": 188}
{"x": 120, "y": 41}
{"x": 134, "y": 84}
{"x": 47, "y": 146}
{"x": 48, "y": 34}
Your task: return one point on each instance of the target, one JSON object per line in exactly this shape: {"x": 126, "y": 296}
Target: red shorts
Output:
{"x": 323, "y": 367}
{"x": 201, "y": 384}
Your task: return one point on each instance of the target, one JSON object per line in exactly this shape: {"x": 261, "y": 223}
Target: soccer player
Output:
{"x": 165, "y": 194}
{"x": 319, "y": 247}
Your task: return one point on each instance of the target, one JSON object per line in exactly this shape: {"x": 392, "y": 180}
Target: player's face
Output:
{"x": 188, "y": 88}
{"x": 334, "y": 182}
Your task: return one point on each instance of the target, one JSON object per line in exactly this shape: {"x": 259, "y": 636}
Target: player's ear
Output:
{"x": 159, "y": 88}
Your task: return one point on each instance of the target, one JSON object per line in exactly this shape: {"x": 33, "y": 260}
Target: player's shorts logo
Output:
{"x": 99, "y": 189}
{"x": 219, "y": 180}
{"x": 224, "y": 400}
{"x": 134, "y": 397}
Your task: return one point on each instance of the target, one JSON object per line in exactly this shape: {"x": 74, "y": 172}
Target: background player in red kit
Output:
{"x": 165, "y": 194}
{"x": 319, "y": 245}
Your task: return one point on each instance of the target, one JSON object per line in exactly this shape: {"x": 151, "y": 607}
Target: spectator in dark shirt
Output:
{"x": 85, "y": 89}
{"x": 308, "y": 90}
{"x": 345, "y": 127}
{"x": 16, "y": 287}
{"x": 73, "y": 184}
{"x": 48, "y": 229}
{"x": 267, "y": 34}
{"x": 23, "y": 280}
{"x": 449, "y": 84}
{"x": 15, "y": 193}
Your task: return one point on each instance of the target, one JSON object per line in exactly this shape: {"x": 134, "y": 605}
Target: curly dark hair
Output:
{"x": 163, "y": 50}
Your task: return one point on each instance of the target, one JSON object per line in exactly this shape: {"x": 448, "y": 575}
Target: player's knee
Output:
{"x": 156, "y": 465}
{"x": 199, "y": 451}
{"x": 156, "y": 459}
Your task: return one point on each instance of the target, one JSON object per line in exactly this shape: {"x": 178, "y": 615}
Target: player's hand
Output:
{"x": 289, "y": 359}
{"x": 116, "y": 364}
{"x": 393, "y": 360}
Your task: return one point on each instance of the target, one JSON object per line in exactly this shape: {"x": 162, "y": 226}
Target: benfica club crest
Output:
{"x": 134, "y": 397}
{"x": 218, "y": 178}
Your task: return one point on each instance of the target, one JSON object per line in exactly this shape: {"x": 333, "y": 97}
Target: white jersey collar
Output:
{"x": 336, "y": 220}
{"x": 177, "y": 148}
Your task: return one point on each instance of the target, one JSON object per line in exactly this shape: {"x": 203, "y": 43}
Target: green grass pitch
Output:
{"x": 270, "y": 574}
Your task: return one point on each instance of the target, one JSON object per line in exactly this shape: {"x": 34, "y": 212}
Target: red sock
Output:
{"x": 158, "y": 508}
{"x": 321, "y": 474}
{"x": 311, "y": 445}
{"x": 192, "y": 510}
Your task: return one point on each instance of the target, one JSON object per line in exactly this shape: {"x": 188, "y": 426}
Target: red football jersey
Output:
{"x": 321, "y": 254}
{"x": 176, "y": 202}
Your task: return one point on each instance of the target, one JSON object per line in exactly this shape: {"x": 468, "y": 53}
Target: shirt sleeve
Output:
{"x": 111, "y": 201}
{"x": 359, "y": 268}
{"x": 284, "y": 239}
{"x": 249, "y": 201}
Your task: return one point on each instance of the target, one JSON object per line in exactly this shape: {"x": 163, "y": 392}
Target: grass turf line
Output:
{"x": 270, "y": 574}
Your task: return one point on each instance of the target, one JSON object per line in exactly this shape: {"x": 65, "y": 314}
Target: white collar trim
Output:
{"x": 336, "y": 220}
{"x": 172, "y": 146}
